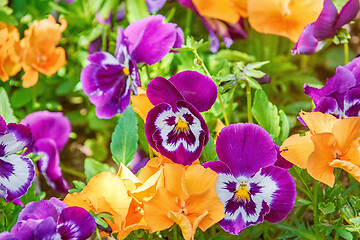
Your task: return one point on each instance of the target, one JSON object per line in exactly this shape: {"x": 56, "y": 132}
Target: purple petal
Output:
{"x": 166, "y": 133}
{"x": 120, "y": 14}
{"x": 46, "y": 229}
{"x": 53, "y": 125}
{"x": 188, "y": 4}
{"x": 347, "y": 13}
{"x": 191, "y": 84}
{"x": 24, "y": 230}
{"x": 154, "y": 5}
{"x": 15, "y": 138}
{"x": 283, "y": 199}
{"x": 160, "y": 90}
{"x": 245, "y": 148}
{"x": 179, "y": 41}
{"x": 324, "y": 26}
{"x": 217, "y": 166}
{"x": 50, "y": 208}
{"x": 354, "y": 67}
{"x": 106, "y": 21}
{"x": 307, "y": 43}
{"x": 75, "y": 223}
{"x": 215, "y": 43}
{"x": 107, "y": 86}
{"x": 282, "y": 162}
{"x": 9, "y": 236}
{"x": 95, "y": 45}
{"x": 329, "y": 105}
{"x": 150, "y": 39}
{"x": 16, "y": 174}
{"x": 49, "y": 164}
{"x": 237, "y": 30}
{"x": 3, "y": 126}
{"x": 352, "y": 102}
{"x": 138, "y": 162}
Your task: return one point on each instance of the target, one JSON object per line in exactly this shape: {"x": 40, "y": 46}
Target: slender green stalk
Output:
{"x": 147, "y": 72}
{"x": 223, "y": 109}
{"x": 230, "y": 104}
{"x": 346, "y": 53}
{"x": 188, "y": 22}
{"x": 315, "y": 199}
{"x": 175, "y": 232}
{"x": 248, "y": 101}
{"x": 71, "y": 171}
{"x": 151, "y": 154}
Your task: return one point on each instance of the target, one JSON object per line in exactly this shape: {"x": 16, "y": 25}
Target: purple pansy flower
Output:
{"x": 16, "y": 171}
{"x": 175, "y": 127}
{"x": 51, "y": 132}
{"x": 51, "y": 219}
{"x": 108, "y": 79}
{"x": 251, "y": 188}
{"x": 341, "y": 94}
{"x": 138, "y": 162}
{"x": 325, "y": 27}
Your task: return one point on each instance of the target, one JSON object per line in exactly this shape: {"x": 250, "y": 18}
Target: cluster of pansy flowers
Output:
{"x": 36, "y": 53}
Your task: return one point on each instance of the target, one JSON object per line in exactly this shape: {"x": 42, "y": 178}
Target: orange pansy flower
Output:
{"x": 9, "y": 51}
{"x": 330, "y": 143}
{"x": 285, "y": 18}
{"x": 39, "y": 51}
{"x": 188, "y": 199}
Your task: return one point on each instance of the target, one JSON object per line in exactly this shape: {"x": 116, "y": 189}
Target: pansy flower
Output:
{"x": 39, "y": 52}
{"x": 330, "y": 143}
{"x": 16, "y": 171}
{"x": 50, "y": 132}
{"x": 51, "y": 219}
{"x": 108, "y": 79}
{"x": 341, "y": 94}
{"x": 175, "y": 127}
{"x": 250, "y": 187}
{"x": 325, "y": 27}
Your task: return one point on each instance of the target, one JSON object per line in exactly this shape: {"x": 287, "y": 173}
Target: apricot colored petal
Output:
{"x": 125, "y": 174}
{"x": 157, "y": 209}
{"x": 152, "y": 167}
{"x": 209, "y": 202}
{"x": 240, "y": 7}
{"x": 346, "y": 131}
{"x": 78, "y": 200}
{"x": 318, "y": 122}
{"x": 53, "y": 63}
{"x": 351, "y": 168}
{"x": 148, "y": 189}
{"x": 127, "y": 230}
{"x": 222, "y": 10}
{"x": 141, "y": 104}
{"x": 318, "y": 164}
{"x": 30, "y": 77}
{"x": 296, "y": 149}
{"x": 188, "y": 229}
{"x": 174, "y": 180}
{"x": 198, "y": 179}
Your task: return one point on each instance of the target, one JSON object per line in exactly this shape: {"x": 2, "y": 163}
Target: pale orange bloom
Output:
{"x": 188, "y": 199}
{"x": 9, "y": 51}
{"x": 39, "y": 51}
{"x": 330, "y": 143}
{"x": 226, "y": 10}
{"x": 141, "y": 103}
{"x": 285, "y": 18}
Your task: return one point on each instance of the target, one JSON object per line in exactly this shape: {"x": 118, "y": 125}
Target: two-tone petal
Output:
{"x": 15, "y": 138}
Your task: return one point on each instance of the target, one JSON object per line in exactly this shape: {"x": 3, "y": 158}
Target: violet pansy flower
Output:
{"x": 50, "y": 132}
{"x": 325, "y": 27}
{"x": 51, "y": 219}
{"x": 175, "y": 127}
{"x": 108, "y": 79}
{"x": 16, "y": 171}
{"x": 341, "y": 94}
{"x": 251, "y": 188}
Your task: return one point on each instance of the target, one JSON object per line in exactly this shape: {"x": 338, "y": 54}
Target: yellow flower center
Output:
{"x": 182, "y": 125}
{"x": 126, "y": 71}
{"x": 242, "y": 192}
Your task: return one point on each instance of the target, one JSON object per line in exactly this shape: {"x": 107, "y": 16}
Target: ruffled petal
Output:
{"x": 324, "y": 26}
{"x": 351, "y": 168}
{"x": 16, "y": 174}
{"x": 346, "y": 131}
{"x": 238, "y": 145}
{"x": 50, "y": 208}
{"x": 352, "y": 102}
{"x": 347, "y": 13}
{"x": 46, "y": 229}
{"x": 318, "y": 122}
{"x": 15, "y": 138}
{"x": 329, "y": 105}
{"x": 307, "y": 43}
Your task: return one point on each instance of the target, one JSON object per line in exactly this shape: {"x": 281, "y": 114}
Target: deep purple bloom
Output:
{"x": 251, "y": 188}
{"x": 108, "y": 79}
{"x": 341, "y": 94}
{"x": 51, "y": 132}
{"x": 16, "y": 171}
{"x": 138, "y": 162}
{"x": 175, "y": 127}
{"x": 51, "y": 219}
{"x": 325, "y": 27}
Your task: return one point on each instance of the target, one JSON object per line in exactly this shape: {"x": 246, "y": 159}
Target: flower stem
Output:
{"x": 188, "y": 22}
{"x": 151, "y": 154}
{"x": 175, "y": 232}
{"x": 315, "y": 209}
{"x": 346, "y": 53}
{"x": 71, "y": 171}
{"x": 248, "y": 101}
{"x": 147, "y": 72}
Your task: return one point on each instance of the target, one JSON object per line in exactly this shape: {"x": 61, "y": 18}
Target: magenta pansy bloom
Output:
{"x": 50, "y": 132}
{"x": 108, "y": 79}
{"x": 175, "y": 127}
{"x": 16, "y": 171}
{"x": 251, "y": 188}
{"x": 51, "y": 219}
{"x": 325, "y": 27}
{"x": 341, "y": 94}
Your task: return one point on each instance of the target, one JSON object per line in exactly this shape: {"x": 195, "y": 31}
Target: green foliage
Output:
{"x": 136, "y": 10}
{"x": 124, "y": 139}
{"x": 93, "y": 167}
{"x": 209, "y": 151}
{"x": 5, "y": 109}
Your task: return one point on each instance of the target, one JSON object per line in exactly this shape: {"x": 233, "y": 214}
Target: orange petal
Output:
{"x": 146, "y": 191}
{"x": 318, "y": 164}
{"x": 152, "y": 167}
{"x": 240, "y": 6}
{"x": 318, "y": 122}
{"x": 188, "y": 230}
{"x": 296, "y": 149}
{"x": 130, "y": 180}
{"x": 30, "y": 77}
{"x": 351, "y": 168}
{"x": 199, "y": 179}
{"x": 347, "y": 133}
{"x": 78, "y": 200}
{"x": 223, "y": 10}
{"x": 174, "y": 176}
{"x": 141, "y": 103}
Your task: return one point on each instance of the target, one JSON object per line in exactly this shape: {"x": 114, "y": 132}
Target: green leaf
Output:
{"x": 21, "y": 97}
{"x": 344, "y": 233}
{"x": 285, "y": 126}
{"x": 93, "y": 167}
{"x": 218, "y": 238}
{"x": 136, "y": 10}
{"x": 302, "y": 202}
{"x": 209, "y": 151}
{"x": 124, "y": 139}
{"x": 5, "y": 109}
{"x": 234, "y": 56}
{"x": 327, "y": 208}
